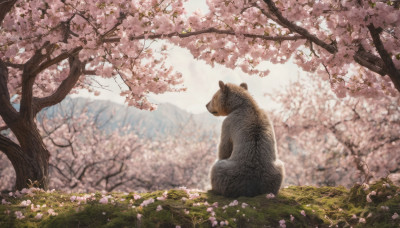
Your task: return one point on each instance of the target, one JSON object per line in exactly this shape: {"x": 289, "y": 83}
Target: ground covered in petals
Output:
{"x": 375, "y": 205}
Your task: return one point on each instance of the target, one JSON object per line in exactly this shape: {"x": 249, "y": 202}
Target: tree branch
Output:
{"x": 303, "y": 32}
{"x": 57, "y": 59}
{"x": 370, "y": 61}
{"x": 382, "y": 66}
{"x": 64, "y": 88}
{"x": 15, "y": 65}
{"x": 10, "y": 149}
{"x": 392, "y": 71}
{"x": 60, "y": 171}
{"x": 7, "y": 111}
{"x": 28, "y": 79}
{"x": 206, "y": 31}
{"x": 5, "y": 7}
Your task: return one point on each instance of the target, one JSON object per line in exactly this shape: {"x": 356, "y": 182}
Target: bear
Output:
{"x": 248, "y": 163}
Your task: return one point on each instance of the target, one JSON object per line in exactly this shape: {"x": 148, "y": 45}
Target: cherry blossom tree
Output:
{"x": 325, "y": 140}
{"x": 87, "y": 157}
{"x": 49, "y": 49}
{"x": 353, "y": 44}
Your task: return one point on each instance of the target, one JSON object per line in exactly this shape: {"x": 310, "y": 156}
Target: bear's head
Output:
{"x": 226, "y": 98}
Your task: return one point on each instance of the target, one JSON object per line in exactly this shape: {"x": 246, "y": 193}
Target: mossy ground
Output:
{"x": 322, "y": 207}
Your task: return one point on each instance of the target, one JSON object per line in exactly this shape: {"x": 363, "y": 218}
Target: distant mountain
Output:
{"x": 168, "y": 118}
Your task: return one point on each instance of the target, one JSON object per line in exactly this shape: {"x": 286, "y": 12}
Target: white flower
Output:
{"x": 395, "y": 216}
{"x": 25, "y": 203}
{"x": 103, "y": 200}
{"x": 38, "y": 216}
{"x": 194, "y": 195}
{"x": 52, "y": 212}
{"x": 365, "y": 186}
{"x": 234, "y": 203}
{"x": 33, "y": 208}
{"x": 303, "y": 212}
{"x": 159, "y": 208}
{"x": 282, "y": 223}
{"x": 270, "y": 196}
{"x": 147, "y": 202}
{"x": 139, "y": 216}
{"x": 163, "y": 197}
{"x": 19, "y": 215}
{"x": 244, "y": 205}
{"x": 369, "y": 200}
{"x": 362, "y": 220}
{"x": 3, "y": 201}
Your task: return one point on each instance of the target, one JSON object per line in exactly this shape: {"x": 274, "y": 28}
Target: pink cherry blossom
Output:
{"x": 38, "y": 216}
{"x": 233, "y": 203}
{"x": 19, "y": 215}
{"x": 282, "y": 223}
{"x": 4, "y": 202}
{"x": 353, "y": 45}
{"x": 147, "y": 202}
{"x": 347, "y": 147}
{"x": 104, "y": 200}
{"x": 25, "y": 203}
{"x": 121, "y": 148}
{"x": 52, "y": 212}
{"x": 270, "y": 196}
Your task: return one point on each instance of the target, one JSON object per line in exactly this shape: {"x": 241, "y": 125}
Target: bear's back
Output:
{"x": 252, "y": 136}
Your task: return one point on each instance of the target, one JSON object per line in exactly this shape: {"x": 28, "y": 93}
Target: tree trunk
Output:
{"x": 30, "y": 159}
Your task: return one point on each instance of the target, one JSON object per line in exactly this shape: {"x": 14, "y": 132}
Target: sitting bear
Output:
{"x": 247, "y": 164}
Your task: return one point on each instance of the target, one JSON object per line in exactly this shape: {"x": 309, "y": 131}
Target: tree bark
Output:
{"x": 30, "y": 157}
{"x": 30, "y": 161}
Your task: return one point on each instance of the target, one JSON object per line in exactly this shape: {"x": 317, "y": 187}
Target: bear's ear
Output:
{"x": 222, "y": 86}
{"x": 243, "y": 85}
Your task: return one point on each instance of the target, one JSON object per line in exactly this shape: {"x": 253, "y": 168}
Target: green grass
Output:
{"x": 323, "y": 207}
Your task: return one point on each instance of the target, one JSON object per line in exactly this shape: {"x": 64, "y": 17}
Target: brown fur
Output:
{"x": 248, "y": 163}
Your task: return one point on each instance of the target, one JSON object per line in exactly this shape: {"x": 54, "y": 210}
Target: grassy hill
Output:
{"x": 376, "y": 205}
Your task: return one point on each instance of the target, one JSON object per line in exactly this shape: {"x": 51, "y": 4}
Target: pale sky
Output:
{"x": 201, "y": 80}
